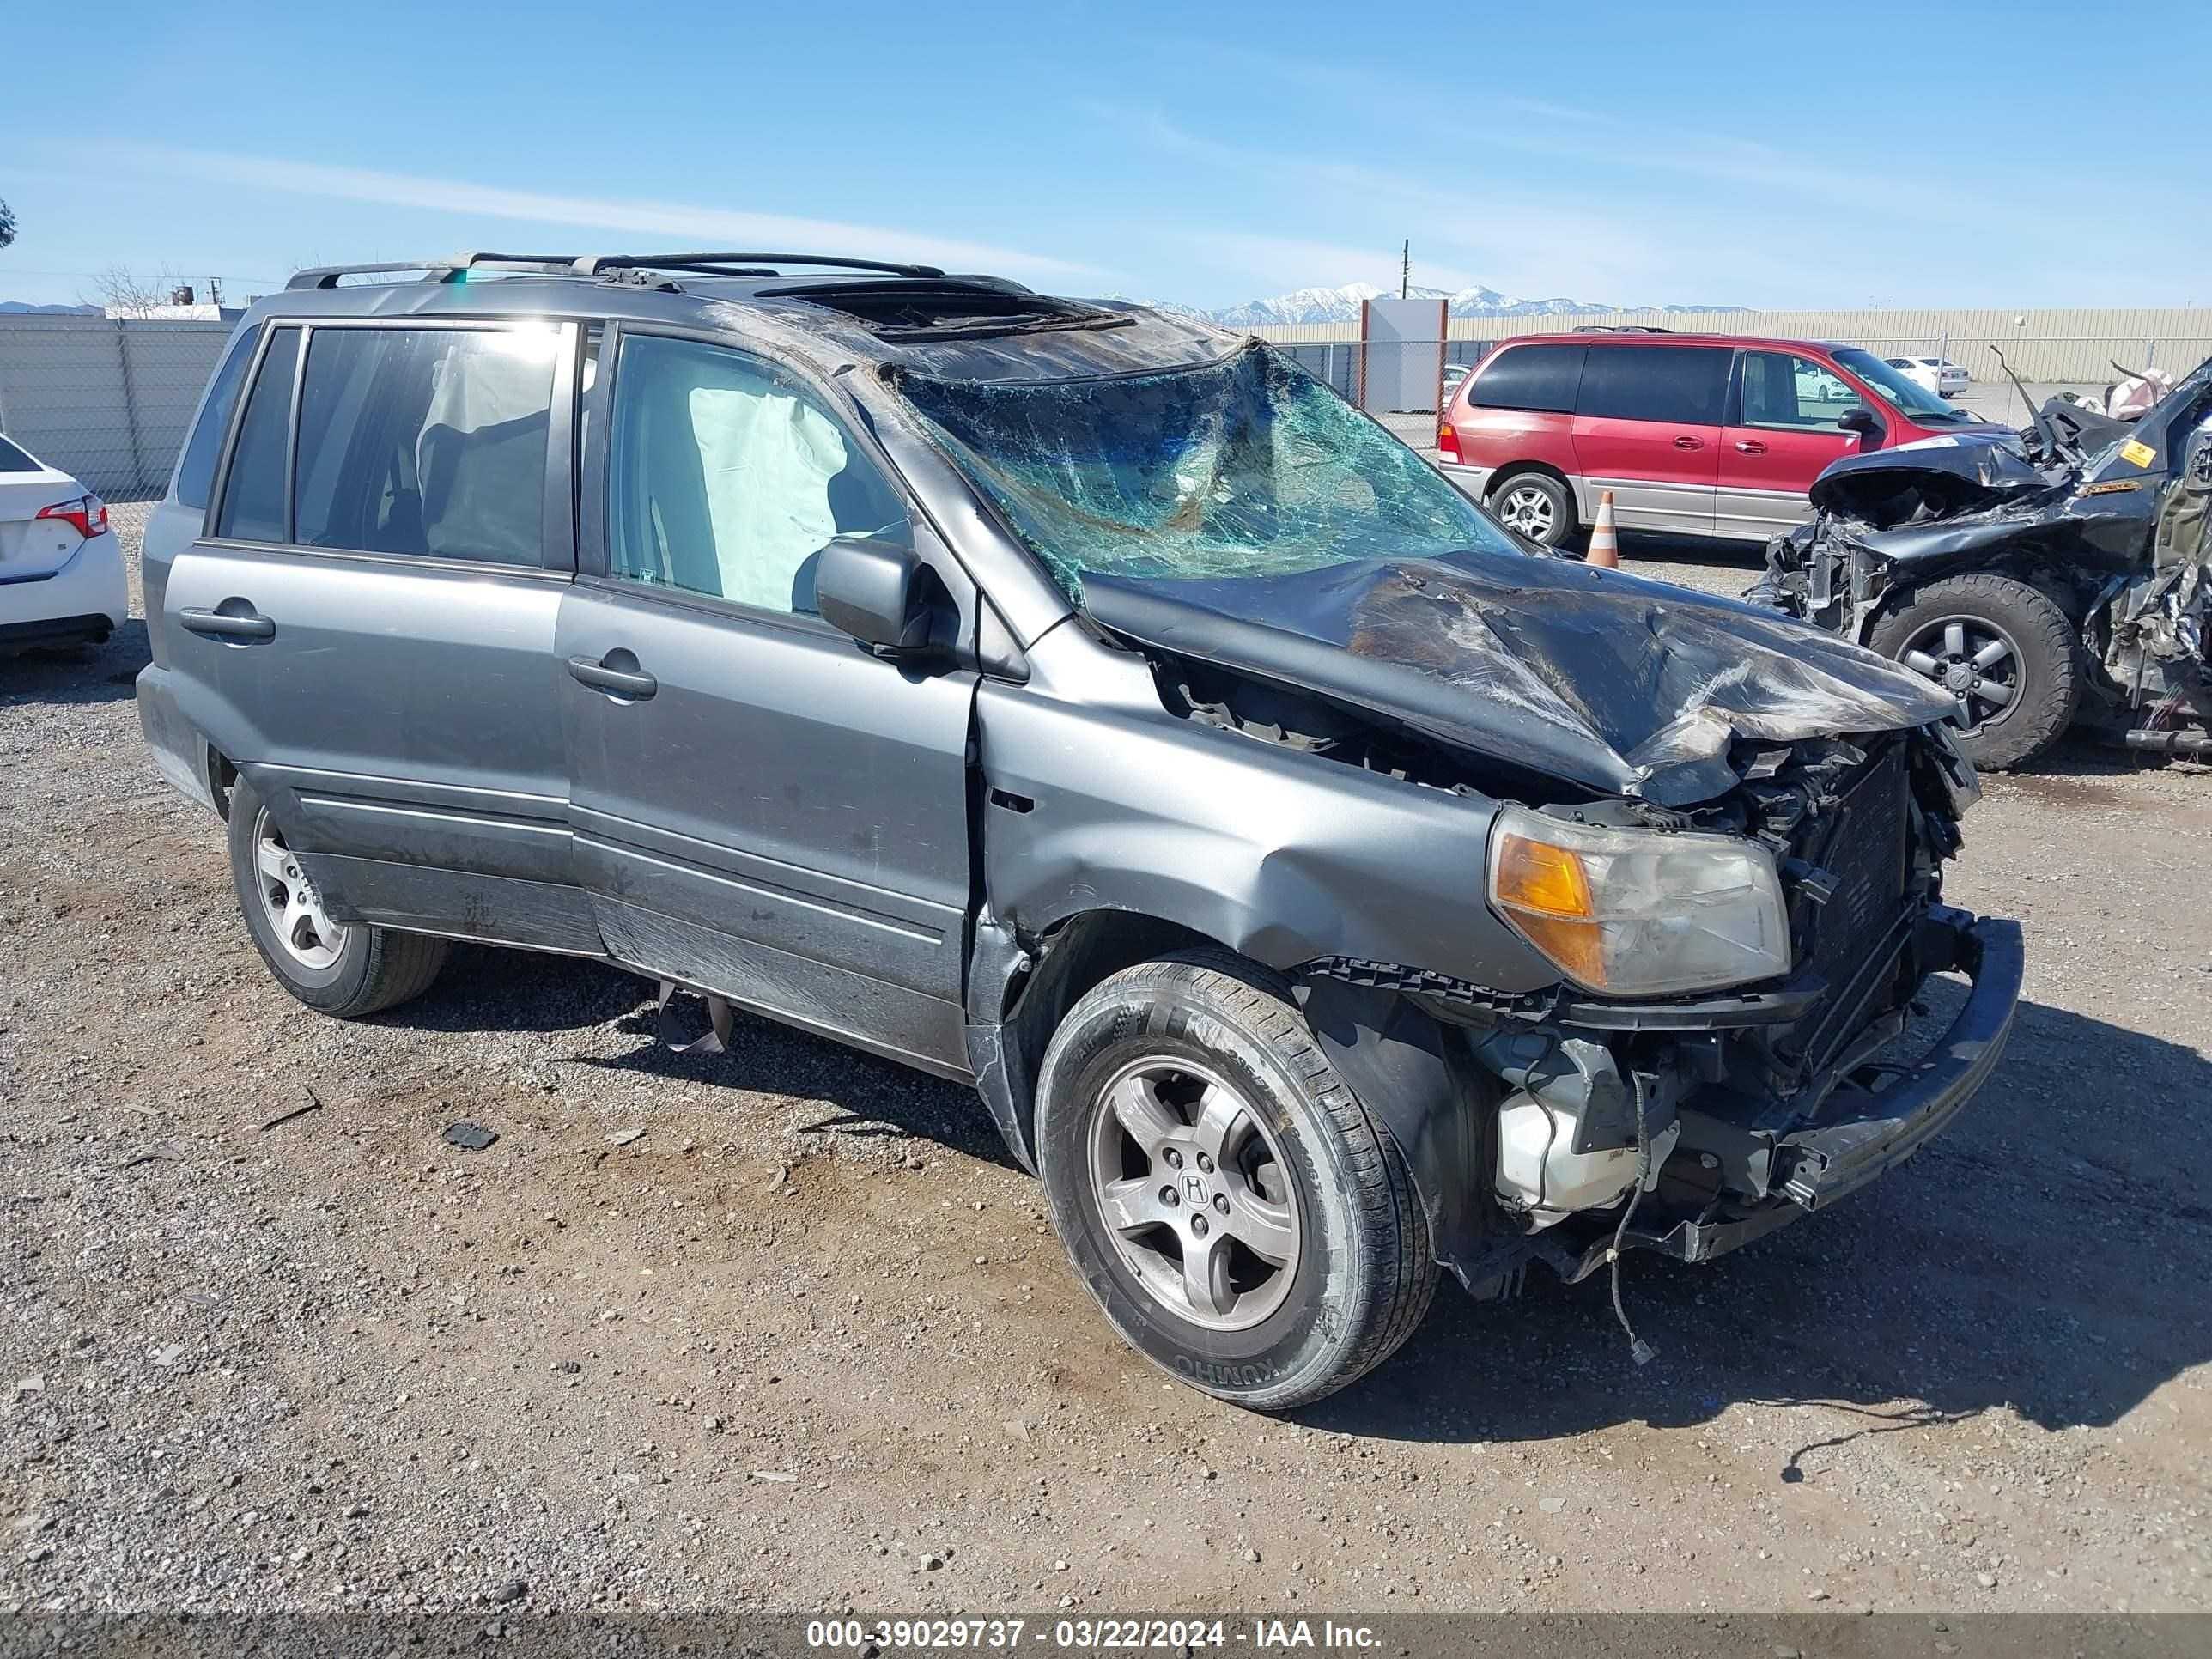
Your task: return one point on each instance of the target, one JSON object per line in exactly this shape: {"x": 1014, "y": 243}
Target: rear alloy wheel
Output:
{"x": 2002, "y": 650}
{"x": 1535, "y": 505}
{"x": 1244, "y": 1223}
{"x": 289, "y": 902}
{"x": 343, "y": 968}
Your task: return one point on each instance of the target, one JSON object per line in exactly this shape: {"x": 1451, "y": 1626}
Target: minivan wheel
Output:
{"x": 2004, "y": 650}
{"x": 344, "y": 970}
{"x": 1242, "y": 1221}
{"x": 1535, "y": 505}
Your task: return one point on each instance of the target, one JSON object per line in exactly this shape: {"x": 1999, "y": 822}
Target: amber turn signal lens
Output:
{"x": 1549, "y": 880}
{"x": 1548, "y": 892}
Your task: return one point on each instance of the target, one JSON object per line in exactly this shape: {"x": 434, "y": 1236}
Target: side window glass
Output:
{"x": 195, "y": 471}
{"x": 1680, "y": 386}
{"x": 253, "y": 499}
{"x": 727, "y": 478}
{"x": 428, "y": 442}
{"x": 1529, "y": 377}
{"x": 1783, "y": 389}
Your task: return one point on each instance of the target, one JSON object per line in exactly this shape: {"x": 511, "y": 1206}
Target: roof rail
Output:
{"x": 711, "y": 264}
{"x": 442, "y": 270}
{"x": 456, "y": 265}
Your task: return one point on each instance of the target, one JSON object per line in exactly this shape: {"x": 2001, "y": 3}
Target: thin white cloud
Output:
{"x": 678, "y": 222}
{"x": 1511, "y": 234}
{"x": 1473, "y": 120}
{"x": 1292, "y": 262}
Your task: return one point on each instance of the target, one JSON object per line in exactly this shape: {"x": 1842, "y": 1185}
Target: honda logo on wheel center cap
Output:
{"x": 1196, "y": 1188}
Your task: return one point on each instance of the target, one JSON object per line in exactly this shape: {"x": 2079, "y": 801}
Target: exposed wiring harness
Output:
{"x": 1639, "y": 1350}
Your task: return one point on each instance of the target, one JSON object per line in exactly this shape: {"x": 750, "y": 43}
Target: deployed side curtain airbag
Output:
{"x": 768, "y": 459}
{"x": 481, "y": 454}
{"x": 726, "y": 480}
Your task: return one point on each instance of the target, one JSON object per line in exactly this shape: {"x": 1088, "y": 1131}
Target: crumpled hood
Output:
{"x": 1937, "y": 477}
{"x": 1945, "y": 505}
{"x": 1617, "y": 684}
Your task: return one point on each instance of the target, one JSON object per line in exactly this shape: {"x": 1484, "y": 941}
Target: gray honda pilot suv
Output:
{"x": 1318, "y": 884}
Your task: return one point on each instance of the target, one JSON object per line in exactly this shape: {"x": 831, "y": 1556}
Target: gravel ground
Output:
{"x": 785, "y": 1330}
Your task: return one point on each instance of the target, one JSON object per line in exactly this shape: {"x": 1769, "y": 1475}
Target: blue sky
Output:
{"x": 1847, "y": 154}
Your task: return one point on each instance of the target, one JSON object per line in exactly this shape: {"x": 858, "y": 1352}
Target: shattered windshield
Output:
{"x": 1245, "y": 467}
{"x": 1908, "y": 394}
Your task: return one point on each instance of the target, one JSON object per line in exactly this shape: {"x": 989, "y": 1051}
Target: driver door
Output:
{"x": 1782, "y": 435}
{"x": 762, "y": 809}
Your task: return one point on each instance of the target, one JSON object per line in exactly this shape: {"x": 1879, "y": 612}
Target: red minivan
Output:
{"x": 1702, "y": 434}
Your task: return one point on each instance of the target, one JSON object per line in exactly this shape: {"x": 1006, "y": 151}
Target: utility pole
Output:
{"x": 1406, "y": 268}
{"x": 214, "y": 290}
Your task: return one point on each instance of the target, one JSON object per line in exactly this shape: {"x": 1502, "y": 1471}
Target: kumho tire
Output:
{"x": 1326, "y": 1267}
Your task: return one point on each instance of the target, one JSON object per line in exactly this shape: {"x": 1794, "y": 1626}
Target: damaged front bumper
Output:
{"x": 1874, "y": 1120}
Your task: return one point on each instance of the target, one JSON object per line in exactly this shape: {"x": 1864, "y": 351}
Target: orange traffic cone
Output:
{"x": 1604, "y": 540}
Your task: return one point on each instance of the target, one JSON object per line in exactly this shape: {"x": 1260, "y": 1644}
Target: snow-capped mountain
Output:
{"x": 1342, "y": 304}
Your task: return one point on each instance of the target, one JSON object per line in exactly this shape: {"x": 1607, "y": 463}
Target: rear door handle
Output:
{"x": 217, "y": 625}
{"x": 1751, "y": 445}
{"x": 1686, "y": 442}
{"x": 617, "y": 682}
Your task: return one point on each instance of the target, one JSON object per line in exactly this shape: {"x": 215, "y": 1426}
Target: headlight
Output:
{"x": 1639, "y": 912}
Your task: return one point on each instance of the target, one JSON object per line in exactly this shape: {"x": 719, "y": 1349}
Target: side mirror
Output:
{"x": 876, "y": 591}
{"x": 1860, "y": 419}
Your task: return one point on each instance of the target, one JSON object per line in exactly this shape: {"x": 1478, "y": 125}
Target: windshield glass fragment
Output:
{"x": 1245, "y": 467}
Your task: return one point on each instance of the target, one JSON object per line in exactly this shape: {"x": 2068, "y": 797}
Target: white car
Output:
{"x": 61, "y": 568}
{"x": 1939, "y": 374}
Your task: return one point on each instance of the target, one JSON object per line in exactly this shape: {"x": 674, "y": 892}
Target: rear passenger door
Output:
{"x": 367, "y": 632}
{"x": 761, "y": 808}
{"x": 1648, "y": 427}
{"x": 1782, "y": 433}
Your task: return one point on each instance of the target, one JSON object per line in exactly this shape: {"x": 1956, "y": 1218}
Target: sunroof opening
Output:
{"x": 911, "y": 310}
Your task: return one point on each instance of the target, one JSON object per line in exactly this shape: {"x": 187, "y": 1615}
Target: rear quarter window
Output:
{"x": 253, "y": 497}
{"x": 1683, "y": 385}
{"x": 1540, "y": 377}
{"x": 195, "y": 471}
{"x": 13, "y": 459}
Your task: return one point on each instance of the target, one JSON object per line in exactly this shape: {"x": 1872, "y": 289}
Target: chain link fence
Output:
{"x": 108, "y": 400}
{"x": 104, "y": 400}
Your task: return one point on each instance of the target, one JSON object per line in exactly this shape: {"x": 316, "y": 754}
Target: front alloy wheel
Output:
{"x": 2003, "y": 650}
{"x": 1242, "y": 1219}
{"x": 1196, "y": 1191}
{"x": 1973, "y": 660}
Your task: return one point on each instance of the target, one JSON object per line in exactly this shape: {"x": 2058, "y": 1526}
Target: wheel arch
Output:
{"x": 1018, "y": 992}
{"x": 1417, "y": 1075}
{"x": 221, "y": 778}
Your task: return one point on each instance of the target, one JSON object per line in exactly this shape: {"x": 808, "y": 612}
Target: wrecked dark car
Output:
{"x": 1319, "y": 888}
{"x": 2045, "y": 580}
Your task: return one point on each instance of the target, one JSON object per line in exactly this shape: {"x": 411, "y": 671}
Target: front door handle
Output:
{"x": 1750, "y": 447}
{"x": 635, "y": 684}
{"x": 1686, "y": 442}
{"x": 221, "y": 625}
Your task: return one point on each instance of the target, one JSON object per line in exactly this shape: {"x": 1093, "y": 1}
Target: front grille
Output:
{"x": 1862, "y": 843}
